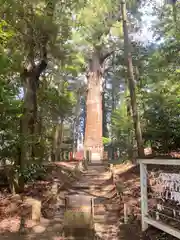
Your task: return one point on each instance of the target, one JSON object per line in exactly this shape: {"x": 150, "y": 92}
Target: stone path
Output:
{"x": 97, "y": 183}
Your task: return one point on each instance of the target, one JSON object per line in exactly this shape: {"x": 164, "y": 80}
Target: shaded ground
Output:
{"x": 97, "y": 183}
{"x": 11, "y": 207}
{"x": 128, "y": 177}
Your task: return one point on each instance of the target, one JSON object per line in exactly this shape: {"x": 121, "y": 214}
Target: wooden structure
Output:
{"x": 146, "y": 218}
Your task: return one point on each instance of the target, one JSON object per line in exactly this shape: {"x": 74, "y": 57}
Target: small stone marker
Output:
{"x": 78, "y": 212}
{"x": 35, "y": 208}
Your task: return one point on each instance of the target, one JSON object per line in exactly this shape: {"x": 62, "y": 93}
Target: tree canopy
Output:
{"x": 47, "y": 50}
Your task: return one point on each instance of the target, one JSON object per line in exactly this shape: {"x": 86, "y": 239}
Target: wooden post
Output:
{"x": 125, "y": 214}
{"x": 144, "y": 198}
{"x": 92, "y": 207}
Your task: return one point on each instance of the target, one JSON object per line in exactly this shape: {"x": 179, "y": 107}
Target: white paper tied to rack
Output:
{"x": 166, "y": 177}
{"x": 169, "y": 183}
{"x": 175, "y": 196}
{"x": 160, "y": 207}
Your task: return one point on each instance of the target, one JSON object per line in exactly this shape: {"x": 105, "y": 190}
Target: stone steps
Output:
{"x": 96, "y": 183}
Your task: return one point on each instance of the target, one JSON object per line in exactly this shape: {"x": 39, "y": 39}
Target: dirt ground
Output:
{"x": 128, "y": 176}
{"x": 128, "y": 180}
{"x": 11, "y": 206}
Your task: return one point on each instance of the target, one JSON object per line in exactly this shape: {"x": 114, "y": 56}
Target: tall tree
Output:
{"x": 40, "y": 31}
{"x": 98, "y": 42}
{"x": 131, "y": 81}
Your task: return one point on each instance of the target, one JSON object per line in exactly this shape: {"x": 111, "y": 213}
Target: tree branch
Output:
{"x": 105, "y": 56}
{"x": 40, "y": 68}
{"x": 49, "y": 10}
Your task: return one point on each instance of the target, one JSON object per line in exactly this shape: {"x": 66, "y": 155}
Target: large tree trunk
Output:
{"x": 93, "y": 130}
{"x": 28, "y": 121}
{"x": 30, "y": 78}
{"x": 30, "y": 112}
{"x": 58, "y": 137}
{"x": 104, "y": 112}
{"x": 130, "y": 137}
{"x": 131, "y": 81}
{"x": 29, "y": 117}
